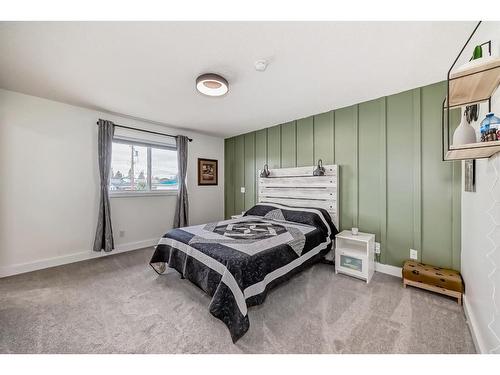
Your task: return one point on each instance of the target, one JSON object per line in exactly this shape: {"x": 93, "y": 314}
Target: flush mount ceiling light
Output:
{"x": 212, "y": 84}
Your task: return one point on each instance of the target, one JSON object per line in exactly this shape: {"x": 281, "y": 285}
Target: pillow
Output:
{"x": 315, "y": 217}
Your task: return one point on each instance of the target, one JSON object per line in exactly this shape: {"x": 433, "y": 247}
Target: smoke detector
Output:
{"x": 261, "y": 65}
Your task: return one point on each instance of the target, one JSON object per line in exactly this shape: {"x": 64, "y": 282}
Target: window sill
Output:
{"x": 127, "y": 194}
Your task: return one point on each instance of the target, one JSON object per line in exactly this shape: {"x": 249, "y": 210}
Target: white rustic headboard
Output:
{"x": 298, "y": 187}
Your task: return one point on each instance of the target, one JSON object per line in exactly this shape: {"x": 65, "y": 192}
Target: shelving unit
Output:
{"x": 478, "y": 150}
{"x": 474, "y": 83}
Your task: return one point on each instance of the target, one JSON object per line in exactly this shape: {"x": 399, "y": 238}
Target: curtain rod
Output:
{"x": 146, "y": 131}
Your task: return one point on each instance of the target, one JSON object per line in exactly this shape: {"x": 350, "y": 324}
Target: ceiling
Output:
{"x": 148, "y": 69}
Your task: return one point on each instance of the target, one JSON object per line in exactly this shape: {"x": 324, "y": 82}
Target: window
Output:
{"x": 141, "y": 167}
{"x": 163, "y": 169}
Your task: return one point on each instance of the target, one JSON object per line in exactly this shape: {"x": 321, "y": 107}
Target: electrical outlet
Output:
{"x": 377, "y": 247}
{"x": 242, "y": 189}
{"x": 413, "y": 254}
{"x": 122, "y": 233}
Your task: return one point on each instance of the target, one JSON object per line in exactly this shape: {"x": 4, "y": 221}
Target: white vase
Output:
{"x": 464, "y": 133}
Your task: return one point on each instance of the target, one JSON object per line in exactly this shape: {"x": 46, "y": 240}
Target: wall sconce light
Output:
{"x": 265, "y": 172}
{"x": 320, "y": 170}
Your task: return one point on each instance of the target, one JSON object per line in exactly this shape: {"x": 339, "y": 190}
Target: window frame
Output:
{"x": 149, "y": 192}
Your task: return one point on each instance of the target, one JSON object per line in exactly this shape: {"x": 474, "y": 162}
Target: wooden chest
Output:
{"x": 435, "y": 279}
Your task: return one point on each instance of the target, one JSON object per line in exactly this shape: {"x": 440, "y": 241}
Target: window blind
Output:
{"x": 140, "y": 137}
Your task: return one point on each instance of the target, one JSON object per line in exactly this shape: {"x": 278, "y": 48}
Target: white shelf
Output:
{"x": 362, "y": 237}
{"x": 479, "y": 150}
{"x": 475, "y": 81}
{"x": 352, "y": 252}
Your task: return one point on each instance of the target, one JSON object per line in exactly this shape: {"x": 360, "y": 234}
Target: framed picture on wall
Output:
{"x": 207, "y": 172}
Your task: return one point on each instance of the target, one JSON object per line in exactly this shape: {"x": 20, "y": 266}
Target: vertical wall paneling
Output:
{"x": 229, "y": 177}
{"x": 417, "y": 174}
{"x": 333, "y": 145}
{"x": 369, "y": 167}
{"x": 437, "y": 197}
{"x": 250, "y": 168}
{"x": 344, "y": 157}
{"x": 456, "y": 239}
{"x": 456, "y": 210}
{"x": 399, "y": 177}
{"x": 323, "y": 138}
{"x": 393, "y": 181}
{"x": 239, "y": 173}
{"x": 274, "y": 147}
{"x": 355, "y": 198}
{"x": 288, "y": 145}
{"x": 383, "y": 177}
{"x": 305, "y": 142}
{"x": 260, "y": 155}
{"x": 456, "y": 188}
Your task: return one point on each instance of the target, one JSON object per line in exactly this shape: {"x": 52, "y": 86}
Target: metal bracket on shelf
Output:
{"x": 446, "y": 106}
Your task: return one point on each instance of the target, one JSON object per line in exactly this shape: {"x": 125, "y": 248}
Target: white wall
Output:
{"x": 481, "y": 240}
{"x": 49, "y": 186}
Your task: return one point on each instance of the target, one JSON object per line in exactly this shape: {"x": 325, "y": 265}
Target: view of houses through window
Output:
{"x": 136, "y": 167}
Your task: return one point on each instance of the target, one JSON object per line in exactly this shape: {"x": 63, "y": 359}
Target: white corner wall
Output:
{"x": 49, "y": 186}
{"x": 480, "y": 257}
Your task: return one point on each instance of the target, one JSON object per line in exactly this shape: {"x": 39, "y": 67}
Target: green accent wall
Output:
{"x": 393, "y": 181}
{"x": 305, "y": 142}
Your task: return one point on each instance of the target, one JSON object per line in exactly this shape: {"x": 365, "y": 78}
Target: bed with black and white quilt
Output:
{"x": 238, "y": 261}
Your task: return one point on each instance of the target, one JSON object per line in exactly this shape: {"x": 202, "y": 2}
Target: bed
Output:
{"x": 238, "y": 261}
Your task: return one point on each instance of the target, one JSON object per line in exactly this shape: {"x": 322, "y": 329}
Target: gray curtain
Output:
{"x": 104, "y": 233}
{"x": 181, "y": 218}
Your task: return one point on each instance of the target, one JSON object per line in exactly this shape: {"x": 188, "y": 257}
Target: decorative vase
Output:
{"x": 489, "y": 127}
{"x": 464, "y": 133}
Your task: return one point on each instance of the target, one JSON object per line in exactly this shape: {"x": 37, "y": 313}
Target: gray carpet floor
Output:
{"x": 118, "y": 304}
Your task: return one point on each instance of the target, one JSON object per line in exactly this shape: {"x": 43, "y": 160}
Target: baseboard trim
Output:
{"x": 19, "y": 268}
{"x": 388, "y": 269}
{"x": 473, "y": 327}
{"x": 85, "y": 255}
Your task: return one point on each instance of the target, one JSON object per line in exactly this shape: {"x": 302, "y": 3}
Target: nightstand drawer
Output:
{"x": 352, "y": 262}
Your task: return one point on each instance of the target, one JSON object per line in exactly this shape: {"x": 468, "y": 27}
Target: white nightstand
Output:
{"x": 236, "y": 216}
{"x": 355, "y": 254}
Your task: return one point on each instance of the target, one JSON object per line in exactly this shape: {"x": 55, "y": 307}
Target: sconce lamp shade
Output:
{"x": 265, "y": 172}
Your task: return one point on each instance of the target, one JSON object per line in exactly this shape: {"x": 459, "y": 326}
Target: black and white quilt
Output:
{"x": 237, "y": 261}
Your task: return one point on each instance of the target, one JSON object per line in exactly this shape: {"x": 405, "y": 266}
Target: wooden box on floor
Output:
{"x": 434, "y": 279}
